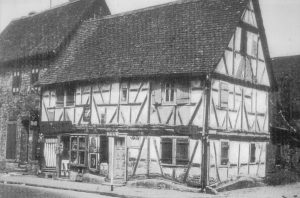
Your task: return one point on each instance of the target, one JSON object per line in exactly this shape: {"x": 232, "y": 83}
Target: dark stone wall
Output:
{"x": 14, "y": 109}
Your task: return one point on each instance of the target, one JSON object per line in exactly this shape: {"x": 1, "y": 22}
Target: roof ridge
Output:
{"x": 46, "y": 10}
{"x": 287, "y": 56}
{"x": 131, "y": 12}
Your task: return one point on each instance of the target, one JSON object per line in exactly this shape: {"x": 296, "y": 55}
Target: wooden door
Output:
{"x": 120, "y": 158}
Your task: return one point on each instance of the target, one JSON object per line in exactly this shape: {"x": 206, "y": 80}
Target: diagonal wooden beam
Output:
{"x": 158, "y": 115}
{"x": 61, "y": 115}
{"x": 237, "y": 117}
{"x": 215, "y": 112}
{"x": 46, "y": 111}
{"x": 169, "y": 117}
{"x": 114, "y": 115}
{"x": 180, "y": 119}
{"x": 225, "y": 64}
{"x": 138, "y": 158}
{"x": 138, "y": 92}
{"x": 195, "y": 111}
{"x": 100, "y": 91}
{"x": 158, "y": 157}
{"x": 216, "y": 163}
{"x": 96, "y": 108}
{"x": 259, "y": 159}
{"x": 190, "y": 162}
{"x": 81, "y": 116}
{"x": 246, "y": 116}
{"x": 141, "y": 109}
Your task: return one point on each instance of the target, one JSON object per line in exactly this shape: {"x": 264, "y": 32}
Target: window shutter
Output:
{"x": 166, "y": 150}
{"x": 183, "y": 93}
{"x": 157, "y": 93}
{"x": 224, "y": 95}
{"x": 182, "y": 151}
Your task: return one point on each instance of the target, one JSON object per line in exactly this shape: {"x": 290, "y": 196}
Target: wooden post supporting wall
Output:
{"x": 204, "y": 161}
{"x": 58, "y": 156}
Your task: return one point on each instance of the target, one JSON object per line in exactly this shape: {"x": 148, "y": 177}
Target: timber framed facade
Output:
{"x": 166, "y": 99}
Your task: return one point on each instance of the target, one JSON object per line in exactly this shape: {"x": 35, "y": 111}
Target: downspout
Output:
{"x": 205, "y": 133}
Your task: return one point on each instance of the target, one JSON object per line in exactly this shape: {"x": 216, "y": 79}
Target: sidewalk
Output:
{"x": 119, "y": 191}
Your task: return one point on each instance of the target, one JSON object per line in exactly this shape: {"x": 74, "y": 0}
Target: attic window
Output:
{"x": 170, "y": 92}
{"x": 124, "y": 92}
{"x": 16, "y": 84}
{"x": 70, "y": 96}
{"x": 34, "y": 77}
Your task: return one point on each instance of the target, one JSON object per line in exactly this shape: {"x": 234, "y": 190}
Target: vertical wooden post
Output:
{"x": 58, "y": 156}
{"x": 148, "y": 156}
{"x": 205, "y": 135}
{"x": 112, "y": 165}
{"x": 174, "y": 157}
{"x": 239, "y": 153}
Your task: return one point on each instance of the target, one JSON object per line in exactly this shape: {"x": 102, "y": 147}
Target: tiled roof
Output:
{"x": 45, "y": 32}
{"x": 181, "y": 37}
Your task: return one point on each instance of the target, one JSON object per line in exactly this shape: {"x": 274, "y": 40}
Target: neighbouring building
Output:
{"x": 27, "y": 46}
{"x": 177, "y": 91}
{"x": 285, "y": 123}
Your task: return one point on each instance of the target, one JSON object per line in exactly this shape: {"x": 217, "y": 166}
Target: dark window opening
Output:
{"x": 166, "y": 150}
{"x": 124, "y": 92}
{"x": 103, "y": 149}
{"x": 60, "y": 97}
{"x": 252, "y": 153}
{"x": 70, "y": 98}
{"x": 16, "y": 84}
{"x": 182, "y": 151}
{"x": 34, "y": 77}
{"x": 224, "y": 153}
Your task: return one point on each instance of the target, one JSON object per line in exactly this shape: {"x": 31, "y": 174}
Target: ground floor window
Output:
{"x": 78, "y": 150}
{"x": 98, "y": 151}
{"x": 224, "y": 153}
{"x": 175, "y": 151}
{"x": 252, "y": 153}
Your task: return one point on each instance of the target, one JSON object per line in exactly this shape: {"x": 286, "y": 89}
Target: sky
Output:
{"x": 281, "y": 18}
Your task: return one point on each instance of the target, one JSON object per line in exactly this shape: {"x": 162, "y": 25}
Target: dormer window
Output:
{"x": 16, "y": 84}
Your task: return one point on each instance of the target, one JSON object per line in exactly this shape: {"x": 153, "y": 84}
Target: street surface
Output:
{"x": 18, "y": 191}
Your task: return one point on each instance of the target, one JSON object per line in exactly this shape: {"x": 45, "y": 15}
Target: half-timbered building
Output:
{"x": 27, "y": 46}
{"x": 178, "y": 91}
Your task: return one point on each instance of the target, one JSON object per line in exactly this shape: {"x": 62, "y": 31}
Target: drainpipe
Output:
{"x": 205, "y": 143}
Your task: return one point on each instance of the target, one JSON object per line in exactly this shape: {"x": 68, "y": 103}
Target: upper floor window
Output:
{"x": 60, "y": 97}
{"x": 224, "y": 94}
{"x": 34, "y": 75}
{"x": 16, "y": 84}
{"x": 124, "y": 92}
{"x": 170, "y": 92}
{"x": 70, "y": 96}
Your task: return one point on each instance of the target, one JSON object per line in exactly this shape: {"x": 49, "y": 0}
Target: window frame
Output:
{"x": 16, "y": 81}
{"x": 79, "y": 150}
{"x": 124, "y": 86}
{"x": 252, "y": 156}
{"x": 174, "y": 160}
{"x": 171, "y": 91}
{"x": 220, "y": 95}
{"x": 34, "y": 77}
{"x": 228, "y": 152}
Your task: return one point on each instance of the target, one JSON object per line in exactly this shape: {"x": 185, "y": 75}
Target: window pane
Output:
{"x": 224, "y": 95}
{"x": 103, "y": 149}
{"x": 182, "y": 151}
{"x": 70, "y": 96}
{"x": 124, "y": 95}
{"x": 224, "y": 153}
{"x": 60, "y": 97}
{"x": 252, "y": 153}
{"x": 82, "y": 144}
{"x": 74, "y": 157}
{"x": 166, "y": 150}
{"x": 74, "y": 145}
{"x": 81, "y": 156}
